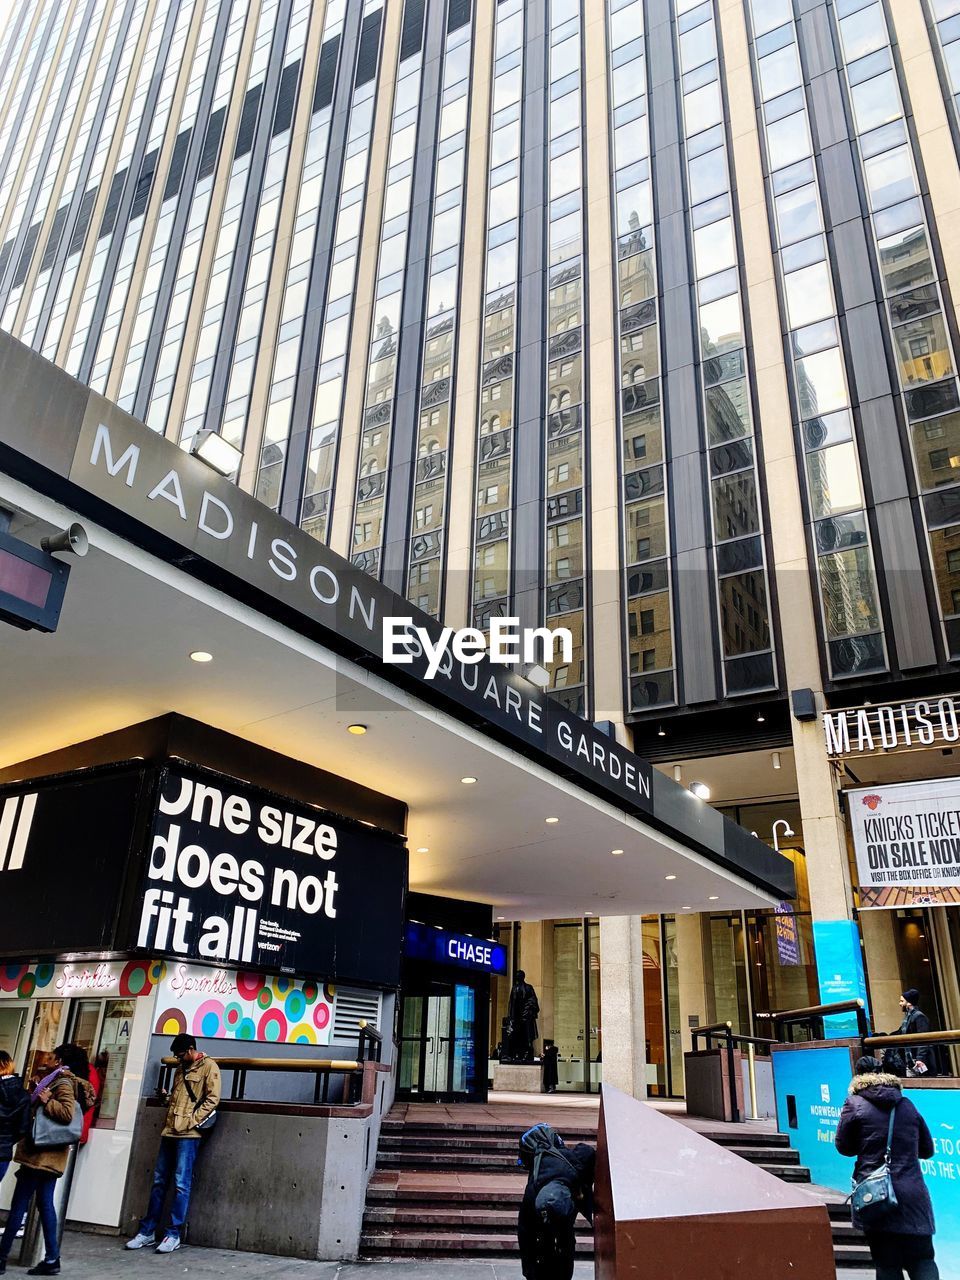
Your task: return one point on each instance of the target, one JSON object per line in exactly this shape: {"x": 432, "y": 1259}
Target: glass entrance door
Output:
{"x": 438, "y": 1043}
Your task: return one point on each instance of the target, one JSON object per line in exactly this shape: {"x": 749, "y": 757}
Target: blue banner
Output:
{"x": 811, "y": 1086}
{"x": 839, "y": 972}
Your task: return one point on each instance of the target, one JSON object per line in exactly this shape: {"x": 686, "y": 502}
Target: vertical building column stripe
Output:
{"x": 461, "y": 462}
{"x": 364, "y": 298}
{"x": 602, "y": 453}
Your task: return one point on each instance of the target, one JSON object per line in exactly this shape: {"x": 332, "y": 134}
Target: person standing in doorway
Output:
{"x": 14, "y": 1108}
{"x": 193, "y": 1099}
{"x": 921, "y": 1059}
{"x": 58, "y": 1094}
{"x": 902, "y": 1241}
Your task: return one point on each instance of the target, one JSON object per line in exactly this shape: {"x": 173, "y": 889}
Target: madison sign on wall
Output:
{"x": 892, "y": 726}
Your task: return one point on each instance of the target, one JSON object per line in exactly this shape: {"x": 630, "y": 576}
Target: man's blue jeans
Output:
{"x": 176, "y": 1156}
{"x": 44, "y": 1184}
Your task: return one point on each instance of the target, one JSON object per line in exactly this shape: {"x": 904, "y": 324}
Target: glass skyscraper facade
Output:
{"x": 470, "y": 286}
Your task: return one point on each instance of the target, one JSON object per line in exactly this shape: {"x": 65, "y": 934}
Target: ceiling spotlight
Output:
{"x": 688, "y": 908}
{"x": 501, "y": 917}
{"x": 677, "y": 773}
{"x": 358, "y": 729}
{"x": 661, "y": 732}
{"x": 700, "y": 790}
{"x": 714, "y": 897}
{"x": 423, "y": 849}
{"x": 669, "y": 877}
{"x": 468, "y": 782}
{"x": 616, "y": 852}
{"x": 201, "y": 655}
{"x": 760, "y": 717}
{"x": 219, "y": 454}
{"x": 551, "y": 820}
{"x": 588, "y": 913}
{"x": 775, "y": 758}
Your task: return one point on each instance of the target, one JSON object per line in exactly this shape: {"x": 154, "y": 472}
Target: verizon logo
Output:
{"x": 16, "y": 819}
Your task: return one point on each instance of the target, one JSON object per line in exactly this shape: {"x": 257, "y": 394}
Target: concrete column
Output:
{"x": 694, "y": 976}
{"x": 621, "y": 1004}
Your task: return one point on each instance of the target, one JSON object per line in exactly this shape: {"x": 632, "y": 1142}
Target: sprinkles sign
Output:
{"x": 51, "y": 981}
{"x": 222, "y": 1004}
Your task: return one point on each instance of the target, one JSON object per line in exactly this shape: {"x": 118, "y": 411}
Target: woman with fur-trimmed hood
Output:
{"x": 905, "y": 1242}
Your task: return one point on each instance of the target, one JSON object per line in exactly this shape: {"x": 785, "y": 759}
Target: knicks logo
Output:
{"x": 872, "y": 802}
{"x": 16, "y": 819}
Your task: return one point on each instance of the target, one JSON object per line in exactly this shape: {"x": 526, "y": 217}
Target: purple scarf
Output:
{"x": 45, "y": 1083}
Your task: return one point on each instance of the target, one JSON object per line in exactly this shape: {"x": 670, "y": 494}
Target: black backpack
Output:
{"x": 534, "y": 1145}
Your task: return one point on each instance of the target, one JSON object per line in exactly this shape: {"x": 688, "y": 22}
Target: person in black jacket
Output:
{"x": 14, "y": 1109}
{"x": 904, "y": 1241}
{"x": 559, "y": 1189}
{"x": 922, "y": 1058}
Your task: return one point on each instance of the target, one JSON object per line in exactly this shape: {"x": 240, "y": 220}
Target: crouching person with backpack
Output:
{"x": 559, "y": 1186}
{"x": 191, "y": 1112}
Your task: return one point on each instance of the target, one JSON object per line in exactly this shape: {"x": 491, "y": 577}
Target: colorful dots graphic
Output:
{"x": 208, "y": 1019}
{"x": 321, "y": 1016}
{"x": 11, "y": 976}
{"x": 171, "y": 1023}
{"x": 246, "y": 1029}
{"x": 272, "y": 1026}
{"x": 249, "y": 984}
{"x": 295, "y": 1005}
{"x": 301, "y": 1034}
{"x": 44, "y": 974}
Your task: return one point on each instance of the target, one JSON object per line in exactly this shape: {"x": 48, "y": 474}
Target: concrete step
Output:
{"x": 851, "y": 1255}
{"x": 451, "y": 1217}
{"x": 428, "y": 1243}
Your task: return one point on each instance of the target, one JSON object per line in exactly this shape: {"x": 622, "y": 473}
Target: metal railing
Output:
{"x": 369, "y": 1044}
{"x": 813, "y": 1017}
{"x": 724, "y": 1032}
{"x": 323, "y": 1070}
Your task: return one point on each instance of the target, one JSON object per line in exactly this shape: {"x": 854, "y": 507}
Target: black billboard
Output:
{"x": 182, "y": 862}
{"x": 235, "y": 875}
{"x": 66, "y": 846}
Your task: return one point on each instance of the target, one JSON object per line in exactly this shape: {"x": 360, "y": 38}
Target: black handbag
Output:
{"x": 207, "y": 1123}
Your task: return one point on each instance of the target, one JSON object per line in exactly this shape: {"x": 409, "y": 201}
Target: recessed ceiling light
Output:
{"x": 669, "y": 877}
{"x": 201, "y": 655}
{"x": 714, "y": 897}
{"x": 686, "y": 908}
{"x": 423, "y": 849}
{"x": 588, "y": 913}
{"x": 551, "y": 820}
{"x": 616, "y": 852}
{"x": 501, "y": 917}
{"x": 468, "y": 782}
{"x": 357, "y": 729}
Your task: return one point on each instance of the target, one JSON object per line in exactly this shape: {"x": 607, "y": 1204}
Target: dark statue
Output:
{"x": 521, "y": 1021}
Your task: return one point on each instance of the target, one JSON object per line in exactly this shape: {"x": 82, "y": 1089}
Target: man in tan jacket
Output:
{"x": 191, "y": 1103}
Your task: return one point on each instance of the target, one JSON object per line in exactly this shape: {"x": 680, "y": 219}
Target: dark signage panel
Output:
{"x": 65, "y": 848}
{"x": 459, "y": 950}
{"x": 32, "y": 585}
{"x": 235, "y": 875}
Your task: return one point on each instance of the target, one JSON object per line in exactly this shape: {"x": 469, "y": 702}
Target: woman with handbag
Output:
{"x": 58, "y": 1102}
{"x": 891, "y": 1203}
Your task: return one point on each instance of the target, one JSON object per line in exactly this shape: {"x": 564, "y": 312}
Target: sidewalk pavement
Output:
{"x": 94, "y": 1257}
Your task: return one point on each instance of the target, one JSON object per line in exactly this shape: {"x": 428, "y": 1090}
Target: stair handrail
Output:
{"x": 816, "y": 1013}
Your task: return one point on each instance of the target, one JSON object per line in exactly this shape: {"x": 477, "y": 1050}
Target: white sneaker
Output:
{"x": 140, "y": 1241}
{"x": 168, "y": 1244}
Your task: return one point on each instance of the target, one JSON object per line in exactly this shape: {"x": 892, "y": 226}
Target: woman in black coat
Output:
{"x": 904, "y": 1239}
